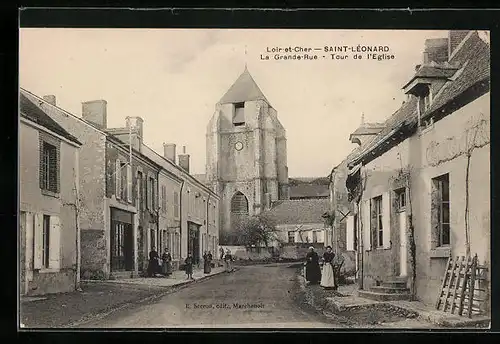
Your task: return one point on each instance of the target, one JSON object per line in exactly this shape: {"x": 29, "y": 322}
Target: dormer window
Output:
{"x": 239, "y": 114}
{"x": 425, "y": 98}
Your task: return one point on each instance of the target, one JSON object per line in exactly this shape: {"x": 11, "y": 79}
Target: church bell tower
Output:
{"x": 246, "y": 155}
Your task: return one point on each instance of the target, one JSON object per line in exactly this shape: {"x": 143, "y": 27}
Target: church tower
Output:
{"x": 246, "y": 155}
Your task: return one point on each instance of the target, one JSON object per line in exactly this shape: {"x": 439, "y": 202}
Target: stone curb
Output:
{"x": 167, "y": 290}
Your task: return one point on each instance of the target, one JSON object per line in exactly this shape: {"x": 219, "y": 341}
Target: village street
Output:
{"x": 272, "y": 288}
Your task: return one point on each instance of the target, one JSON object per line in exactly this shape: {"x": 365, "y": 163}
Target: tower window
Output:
{"x": 239, "y": 114}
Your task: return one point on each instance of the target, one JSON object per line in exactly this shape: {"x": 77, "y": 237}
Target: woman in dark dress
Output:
{"x": 313, "y": 271}
{"x": 167, "y": 263}
{"x": 327, "y": 277}
{"x": 188, "y": 265}
{"x": 207, "y": 262}
{"x": 153, "y": 266}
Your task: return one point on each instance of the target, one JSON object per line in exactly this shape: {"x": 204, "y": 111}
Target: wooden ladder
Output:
{"x": 461, "y": 290}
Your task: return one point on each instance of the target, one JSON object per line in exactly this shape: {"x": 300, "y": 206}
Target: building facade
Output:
{"x": 132, "y": 197}
{"x": 246, "y": 154}
{"x": 421, "y": 186}
{"x": 49, "y": 200}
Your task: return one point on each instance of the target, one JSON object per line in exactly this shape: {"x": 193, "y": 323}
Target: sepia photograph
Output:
{"x": 254, "y": 178}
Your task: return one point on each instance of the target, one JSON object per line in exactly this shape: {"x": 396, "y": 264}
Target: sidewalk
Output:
{"x": 176, "y": 279}
{"x": 99, "y": 298}
{"x": 411, "y": 314}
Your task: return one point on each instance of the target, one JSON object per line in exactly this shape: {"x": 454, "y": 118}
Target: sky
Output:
{"x": 173, "y": 78}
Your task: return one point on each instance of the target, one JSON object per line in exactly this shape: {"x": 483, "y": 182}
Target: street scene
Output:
{"x": 258, "y": 179}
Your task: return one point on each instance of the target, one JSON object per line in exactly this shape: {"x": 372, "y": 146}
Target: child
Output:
{"x": 189, "y": 266}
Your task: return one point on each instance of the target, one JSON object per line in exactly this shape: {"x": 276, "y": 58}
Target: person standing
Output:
{"x": 228, "y": 258}
{"x": 313, "y": 271}
{"x": 188, "y": 266}
{"x": 167, "y": 263}
{"x": 153, "y": 262}
{"x": 327, "y": 277}
{"x": 207, "y": 262}
{"x": 221, "y": 253}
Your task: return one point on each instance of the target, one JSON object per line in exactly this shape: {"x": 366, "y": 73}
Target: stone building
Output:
{"x": 421, "y": 188}
{"x": 49, "y": 222}
{"x": 246, "y": 154}
{"x": 124, "y": 194}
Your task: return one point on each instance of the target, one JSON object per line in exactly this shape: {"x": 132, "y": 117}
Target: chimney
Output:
{"x": 137, "y": 124}
{"x": 184, "y": 160}
{"x": 436, "y": 49}
{"x": 95, "y": 111}
{"x": 169, "y": 151}
{"x": 51, "y": 99}
{"x": 455, "y": 37}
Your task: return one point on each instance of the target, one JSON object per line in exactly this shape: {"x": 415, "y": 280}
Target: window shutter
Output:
{"x": 367, "y": 238}
{"x": 350, "y": 233}
{"x": 129, "y": 183}
{"x": 148, "y": 190}
{"x": 118, "y": 179}
{"x": 386, "y": 220}
{"x": 55, "y": 242}
{"x": 38, "y": 241}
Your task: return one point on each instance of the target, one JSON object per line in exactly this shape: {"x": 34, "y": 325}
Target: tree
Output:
{"x": 257, "y": 230}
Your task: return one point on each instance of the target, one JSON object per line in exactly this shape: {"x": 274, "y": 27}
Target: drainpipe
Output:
{"x": 180, "y": 221}
{"x": 77, "y": 220}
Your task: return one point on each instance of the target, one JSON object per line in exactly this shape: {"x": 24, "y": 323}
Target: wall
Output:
{"x": 33, "y": 201}
{"x": 439, "y": 150}
{"x": 382, "y": 178}
{"x": 92, "y": 171}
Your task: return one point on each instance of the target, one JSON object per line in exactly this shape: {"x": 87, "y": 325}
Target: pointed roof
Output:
{"x": 244, "y": 89}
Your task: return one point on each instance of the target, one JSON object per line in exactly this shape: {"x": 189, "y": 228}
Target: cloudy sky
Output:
{"x": 174, "y": 78}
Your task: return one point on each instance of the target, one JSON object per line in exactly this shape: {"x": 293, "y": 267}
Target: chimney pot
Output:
{"x": 51, "y": 99}
{"x": 95, "y": 111}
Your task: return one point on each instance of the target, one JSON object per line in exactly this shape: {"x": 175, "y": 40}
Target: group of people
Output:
{"x": 313, "y": 273}
{"x": 227, "y": 258}
{"x": 159, "y": 266}
{"x": 163, "y": 265}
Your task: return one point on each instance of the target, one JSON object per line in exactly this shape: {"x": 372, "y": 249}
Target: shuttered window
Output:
{"x": 176, "y": 204}
{"x": 377, "y": 222}
{"x": 47, "y": 244}
{"x": 118, "y": 179}
{"x": 49, "y": 170}
{"x": 365, "y": 222}
{"x": 129, "y": 183}
{"x": 164, "y": 199}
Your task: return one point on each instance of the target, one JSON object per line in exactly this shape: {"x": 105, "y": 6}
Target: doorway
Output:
{"x": 194, "y": 241}
{"x": 122, "y": 241}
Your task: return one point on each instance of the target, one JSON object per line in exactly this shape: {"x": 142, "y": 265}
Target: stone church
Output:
{"x": 246, "y": 162}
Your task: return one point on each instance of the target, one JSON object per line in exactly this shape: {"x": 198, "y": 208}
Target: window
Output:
{"x": 400, "y": 199}
{"x": 123, "y": 180}
{"x": 176, "y": 204}
{"x": 314, "y": 237}
{"x": 239, "y": 204}
{"x": 151, "y": 193}
{"x": 355, "y": 225}
{"x": 49, "y": 179}
{"x": 441, "y": 209}
{"x": 46, "y": 242}
{"x": 140, "y": 196}
{"x": 239, "y": 114}
{"x": 163, "y": 199}
{"x": 377, "y": 221}
{"x": 291, "y": 237}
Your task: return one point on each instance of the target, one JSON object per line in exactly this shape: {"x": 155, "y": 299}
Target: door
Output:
{"x": 122, "y": 257}
{"x": 194, "y": 241}
{"x": 403, "y": 265}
